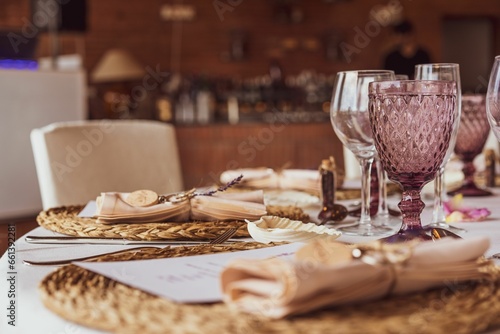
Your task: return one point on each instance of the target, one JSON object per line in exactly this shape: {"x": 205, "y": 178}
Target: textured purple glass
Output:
{"x": 412, "y": 122}
{"x": 493, "y": 98}
{"x": 472, "y": 135}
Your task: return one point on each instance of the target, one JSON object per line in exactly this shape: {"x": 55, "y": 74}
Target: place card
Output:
{"x": 190, "y": 279}
{"x": 89, "y": 210}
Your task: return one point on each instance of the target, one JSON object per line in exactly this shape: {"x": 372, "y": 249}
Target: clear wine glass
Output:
{"x": 380, "y": 212}
{"x": 472, "y": 135}
{"x": 412, "y": 123}
{"x": 385, "y": 216}
{"x": 493, "y": 98}
{"x": 442, "y": 71}
{"x": 349, "y": 116}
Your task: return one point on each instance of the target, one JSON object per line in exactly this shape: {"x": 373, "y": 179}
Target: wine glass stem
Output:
{"x": 438, "y": 215}
{"x": 468, "y": 171}
{"x": 382, "y": 179}
{"x": 411, "y": 207}
{"x": 366, "y": 166}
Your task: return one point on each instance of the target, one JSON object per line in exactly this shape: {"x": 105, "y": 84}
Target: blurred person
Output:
{"x": 407, "y": 53}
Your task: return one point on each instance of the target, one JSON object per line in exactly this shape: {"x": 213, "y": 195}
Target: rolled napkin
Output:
{"x": 115, "y": 207}
{"x": 327, "y": 273}
{"x": 267, "y": 178}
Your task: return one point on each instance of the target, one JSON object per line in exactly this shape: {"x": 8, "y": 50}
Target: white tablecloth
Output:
{"x": 33, "y": 317}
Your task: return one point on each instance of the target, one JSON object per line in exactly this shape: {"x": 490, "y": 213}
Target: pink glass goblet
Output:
{"x": 472, "y": 135}
{"x": 412, "y": 123}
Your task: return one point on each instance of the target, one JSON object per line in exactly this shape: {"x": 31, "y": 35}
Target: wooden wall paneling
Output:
{"x": 206, "y": 151}
{"x": 137, "y": 27}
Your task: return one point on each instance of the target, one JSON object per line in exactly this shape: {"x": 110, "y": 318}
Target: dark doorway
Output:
{"x": 470, "y": 43}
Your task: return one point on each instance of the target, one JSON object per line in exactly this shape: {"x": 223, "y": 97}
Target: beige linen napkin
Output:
{"x": 113, "y": 208}
{"x": 267, "y": 178}
{"x": 326, "y": 274}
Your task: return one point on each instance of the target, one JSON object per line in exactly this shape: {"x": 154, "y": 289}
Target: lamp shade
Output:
{"x": 117, "y": 65}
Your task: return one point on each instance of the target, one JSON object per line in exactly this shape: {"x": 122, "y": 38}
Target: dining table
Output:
{"x": 24, "y": 312}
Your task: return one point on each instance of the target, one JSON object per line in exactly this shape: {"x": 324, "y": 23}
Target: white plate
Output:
{"x": 289, "y": 197}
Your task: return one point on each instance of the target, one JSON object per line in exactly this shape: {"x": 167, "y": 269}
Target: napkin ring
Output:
{"x": 149, "y": 197}
{"x": 391, "y": 256}
{"x": 178, "y": 197}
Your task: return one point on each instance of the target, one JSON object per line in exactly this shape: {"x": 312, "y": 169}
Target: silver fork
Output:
{"x": 220, "y": 239}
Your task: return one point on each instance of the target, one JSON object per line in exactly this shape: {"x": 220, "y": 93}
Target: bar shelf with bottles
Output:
{"x": 190, "y": 99}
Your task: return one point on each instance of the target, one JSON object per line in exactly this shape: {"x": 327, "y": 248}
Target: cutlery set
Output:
{"x": 220, "y": 239}
{"x": 435, "y": 233}
{"x": 106, "y": 241}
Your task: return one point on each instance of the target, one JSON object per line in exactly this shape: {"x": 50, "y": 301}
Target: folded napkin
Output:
{"x": 325, "y": 273}
{"x": 267, "y": 178}
{"x": 112, "y": 207}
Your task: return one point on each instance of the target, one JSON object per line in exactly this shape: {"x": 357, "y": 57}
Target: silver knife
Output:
{"x": 32, "y": 239}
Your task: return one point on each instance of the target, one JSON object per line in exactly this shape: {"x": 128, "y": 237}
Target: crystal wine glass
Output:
{"x": 442, "y": 71}
{"x": 380, "y": 212}
{"x": 412, "y": 123}
{"x": 349, "y": 116}
{"x": 385, "y": 215}
{"x": 472, "y": 135}
{"x": 493, "y": 98}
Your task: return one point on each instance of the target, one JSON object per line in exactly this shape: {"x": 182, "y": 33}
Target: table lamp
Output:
{"x": 115, "y": 74}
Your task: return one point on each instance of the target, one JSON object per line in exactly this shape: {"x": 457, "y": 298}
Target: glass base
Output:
{"x": 365, "y": 230}
{"x": 470, "y": 190}
{"x": 426, "y": 233}
{"x": 386, "y": 220}
{"x": 439, "y": 233}
{"x": 445, "y": 226}
{"x": 356, "y": 212}
{"x": 407, "y": 235}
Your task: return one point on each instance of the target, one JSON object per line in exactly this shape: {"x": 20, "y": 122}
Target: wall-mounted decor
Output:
{"x": 288, "y": 11}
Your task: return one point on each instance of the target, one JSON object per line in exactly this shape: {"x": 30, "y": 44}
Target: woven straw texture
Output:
{"x": 65, "y": 220}
{"x": 92, "y": 300}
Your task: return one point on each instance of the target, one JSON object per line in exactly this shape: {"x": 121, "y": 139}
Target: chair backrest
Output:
{"x": 76, "y": 161}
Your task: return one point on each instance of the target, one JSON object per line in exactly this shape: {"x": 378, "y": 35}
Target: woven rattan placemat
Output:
{"x": 65, "y": 220}
{"x": 92, "y": 300}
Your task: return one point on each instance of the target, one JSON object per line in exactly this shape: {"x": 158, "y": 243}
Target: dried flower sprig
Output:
{"x": 222, "y": 188}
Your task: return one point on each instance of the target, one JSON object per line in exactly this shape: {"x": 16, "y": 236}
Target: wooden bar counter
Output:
{"x": 207, "y": 150}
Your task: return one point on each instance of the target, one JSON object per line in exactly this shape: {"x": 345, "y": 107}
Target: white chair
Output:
{"x": 76, "y": 161}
